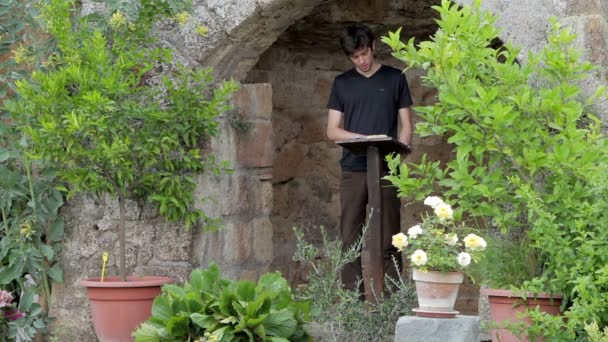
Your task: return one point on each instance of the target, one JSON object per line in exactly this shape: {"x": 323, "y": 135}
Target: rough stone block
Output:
{"x": 255, "y": 149}
{"x": 288, "y": 161}
{"x": 421, "y": 329}
{"x": 254, "y": 100}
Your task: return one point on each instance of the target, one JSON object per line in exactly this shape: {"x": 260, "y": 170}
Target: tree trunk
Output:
{"x": 121, "y": 236}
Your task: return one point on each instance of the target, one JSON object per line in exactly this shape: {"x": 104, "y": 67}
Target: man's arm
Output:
{"x": 405, "y": 132}
{"x": 334, "y": 128}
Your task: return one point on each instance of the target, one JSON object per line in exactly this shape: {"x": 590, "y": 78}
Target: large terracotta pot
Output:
{"x": 119, "y": 307}
{"x": 505, "y": 306}
{"x": 437, "y": 293}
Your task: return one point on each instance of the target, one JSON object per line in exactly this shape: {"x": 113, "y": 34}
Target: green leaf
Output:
{"x": 161, "y": 308}
{"x": 178, "y": 325}
{"x": 56, "y": 230}
{"x": 146, "y": 333}
{"x": 47, "y": 251}
{"x": 56, "y": 274}
{"x": 11, "y": 272}
{"x": 203, "y": 321}
{"x": 281, "y": 323}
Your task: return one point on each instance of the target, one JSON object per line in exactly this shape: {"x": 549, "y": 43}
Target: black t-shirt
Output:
{"x": 370, "y": 106}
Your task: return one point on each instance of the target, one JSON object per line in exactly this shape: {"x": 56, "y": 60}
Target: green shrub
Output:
{"x": 340, "y": 313}
{"x": 223, "y": 310}
{"x": 529, "y": 152}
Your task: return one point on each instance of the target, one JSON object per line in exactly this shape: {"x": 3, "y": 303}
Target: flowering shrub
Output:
{"x": 434, "y": 243}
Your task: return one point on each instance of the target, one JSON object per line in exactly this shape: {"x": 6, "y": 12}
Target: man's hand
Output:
{"x": 335, "y": 131}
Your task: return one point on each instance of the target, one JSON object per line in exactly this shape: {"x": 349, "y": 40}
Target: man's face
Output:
{"x": 363, "y": 59}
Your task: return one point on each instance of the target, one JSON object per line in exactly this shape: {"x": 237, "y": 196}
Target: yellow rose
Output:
{"x": 444, "y": 211}
{"x": 400, "y": 241}
{"x": 474, "y": 242}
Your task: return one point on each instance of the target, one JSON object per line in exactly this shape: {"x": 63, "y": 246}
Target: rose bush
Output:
{"x": 434, "y": 244}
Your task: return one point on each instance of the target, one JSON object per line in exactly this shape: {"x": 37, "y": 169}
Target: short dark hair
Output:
{"x": 356, "y": 37}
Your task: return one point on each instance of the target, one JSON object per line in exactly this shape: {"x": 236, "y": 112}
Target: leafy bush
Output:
{"x": 91, "y": 111}
{"x": 224, "y": 310}
{"x": 341, "y": 314}
{"x": 30, "y": 235}
{"x": 530, "y": 154}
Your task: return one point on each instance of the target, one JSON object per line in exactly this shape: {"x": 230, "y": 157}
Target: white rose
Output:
{"x": 400, "y": 241}
{"x": 419, "y": 257}
{"x": 414, "y": 231}
{"x": 464, "y": 259}
{"x": 433, "y": 201}
{"x": 444, "y": 212}
{"x": 451, "y": 239}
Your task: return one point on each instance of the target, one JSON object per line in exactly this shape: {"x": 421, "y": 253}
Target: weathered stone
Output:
{"x": 254, "y": 100}
{"x": 173, "y": 242}
{"x": 237, "y": 243}
{"x": 262, "y": 240}
{"x": 421, "y": 329}
{"x": 288, "y": 161}
{"x": 255, "y": 148}
{"x": 285, "y": 129}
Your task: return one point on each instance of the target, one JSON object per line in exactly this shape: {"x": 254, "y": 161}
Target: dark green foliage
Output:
{"x": 223, "y": 310}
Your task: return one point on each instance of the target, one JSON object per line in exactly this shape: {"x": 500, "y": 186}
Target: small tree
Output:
{"x": 91, "y": 111}
{"x": 529, "y": 152}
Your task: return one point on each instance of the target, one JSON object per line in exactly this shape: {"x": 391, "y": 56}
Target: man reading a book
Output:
{"x": 368, "y": 100}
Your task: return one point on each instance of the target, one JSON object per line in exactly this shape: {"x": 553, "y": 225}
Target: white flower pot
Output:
{"x": 437, "y": 293}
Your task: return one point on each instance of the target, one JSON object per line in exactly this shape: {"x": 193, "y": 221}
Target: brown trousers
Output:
{"x": 353, "y": 202}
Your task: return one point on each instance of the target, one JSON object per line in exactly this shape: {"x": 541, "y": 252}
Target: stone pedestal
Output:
{"x": 421, "y": 329}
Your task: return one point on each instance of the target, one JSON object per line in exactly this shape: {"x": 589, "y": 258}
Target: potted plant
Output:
{"x": 529, "y": 153}
{"x": 439, "y": 255}
{"x": 88, "y": 112}
{"x": 510, "y": 262}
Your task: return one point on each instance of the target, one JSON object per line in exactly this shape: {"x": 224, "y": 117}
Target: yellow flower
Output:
{"x": 419, "y": 257}
{"x": 21, "y": 54}
{"x": 202, "y": 30}
{"x": 444, "y": 212}
{"x": 182, "y": 18}
{"x": 117, "y": 20}
{"x": 26, "y": 230}
{"x": 400, "y": 241}
{"x": 474, "y": 242}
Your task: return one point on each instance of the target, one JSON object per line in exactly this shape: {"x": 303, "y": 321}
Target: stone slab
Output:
{"x": 421, "y": 329}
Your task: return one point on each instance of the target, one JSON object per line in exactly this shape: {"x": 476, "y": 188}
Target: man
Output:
{"x": 367, "y": 100}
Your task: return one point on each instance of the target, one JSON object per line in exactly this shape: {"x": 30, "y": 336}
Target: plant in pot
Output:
{"x": 439, "y": 253}
{"x": 88, "y": 112}
{"x": 529, "y": 153}
{"x": 508, "y": 264}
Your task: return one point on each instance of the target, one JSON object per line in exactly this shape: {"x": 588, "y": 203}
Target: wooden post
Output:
{"x": 374, "y": 265}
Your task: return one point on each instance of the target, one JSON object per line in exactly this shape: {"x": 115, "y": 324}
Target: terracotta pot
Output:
{"x": 505, "y": 305}
{"x": 437, "y": 293}
{"x": 119, "y": 307}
